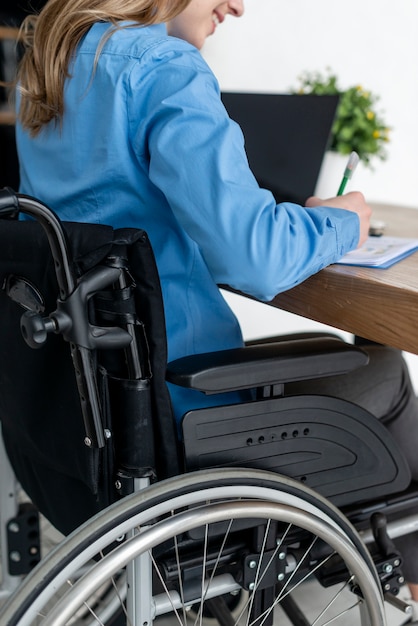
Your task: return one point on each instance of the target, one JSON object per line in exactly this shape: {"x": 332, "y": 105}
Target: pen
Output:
{"x": 349, "y": 171}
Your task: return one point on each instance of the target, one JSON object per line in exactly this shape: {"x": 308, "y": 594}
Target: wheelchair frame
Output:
{"x": 283, "y": 499}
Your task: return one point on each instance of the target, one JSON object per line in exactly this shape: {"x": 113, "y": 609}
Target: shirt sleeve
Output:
{"x": 197, "y": 159}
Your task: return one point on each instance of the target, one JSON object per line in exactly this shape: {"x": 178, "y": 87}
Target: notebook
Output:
{"x": 381, "y": 252}
{"x": 286, "y": 137}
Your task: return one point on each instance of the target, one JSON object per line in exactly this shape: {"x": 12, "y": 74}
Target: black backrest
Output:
{"x": 40, "y": 410}
{"x": 9, "y": 164}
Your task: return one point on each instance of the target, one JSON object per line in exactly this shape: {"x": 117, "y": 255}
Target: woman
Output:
{"x": 140, "y": 137}
{"x": 121, "y": 122}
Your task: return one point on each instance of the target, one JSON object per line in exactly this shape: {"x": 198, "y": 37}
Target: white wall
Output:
{"x": 369, "y": 42}
{"x": 373, "y": 43}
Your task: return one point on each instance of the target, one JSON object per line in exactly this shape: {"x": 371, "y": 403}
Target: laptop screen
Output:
{"x": 286, "y": 137}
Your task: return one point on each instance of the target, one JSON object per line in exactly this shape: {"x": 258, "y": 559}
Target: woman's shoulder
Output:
{"x": 134, "y": 41}
{"x": 146, "y": 55}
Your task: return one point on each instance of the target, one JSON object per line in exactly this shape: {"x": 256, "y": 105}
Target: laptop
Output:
{"x": 286, "y": 136}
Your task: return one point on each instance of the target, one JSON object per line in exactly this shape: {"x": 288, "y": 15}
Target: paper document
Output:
{"x": 380, "y": 252}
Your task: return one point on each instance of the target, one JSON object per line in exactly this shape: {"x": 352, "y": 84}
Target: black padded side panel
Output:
{"x": 331, "y": 445}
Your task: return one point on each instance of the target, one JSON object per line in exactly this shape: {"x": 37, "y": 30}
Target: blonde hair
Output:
{"x": 50, "y": 40}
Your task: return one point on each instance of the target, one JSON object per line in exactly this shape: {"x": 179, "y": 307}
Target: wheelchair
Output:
{"x": 228, "y": 523}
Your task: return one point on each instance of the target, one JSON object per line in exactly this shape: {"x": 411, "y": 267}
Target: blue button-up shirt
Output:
{"x": 146, "y": 142}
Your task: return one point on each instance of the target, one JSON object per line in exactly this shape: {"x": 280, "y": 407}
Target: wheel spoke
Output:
{"x": 167, "y": 592}
{"x": 332, "y": 602}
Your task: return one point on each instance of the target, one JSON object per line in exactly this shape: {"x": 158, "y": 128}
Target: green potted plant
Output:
{"x": 358, "y": 125}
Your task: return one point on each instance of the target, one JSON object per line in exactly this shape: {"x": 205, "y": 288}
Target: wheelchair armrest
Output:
{"x": 265, "y": 364}
{"x": 292, "y": 336}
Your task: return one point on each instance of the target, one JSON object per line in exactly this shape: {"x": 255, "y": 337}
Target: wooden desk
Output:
{"x": 377, "y": 304}
{"x": 7, "y": 115}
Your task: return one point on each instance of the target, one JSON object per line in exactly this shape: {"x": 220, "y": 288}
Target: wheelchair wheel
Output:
{"x": 188, "y": 543}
